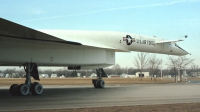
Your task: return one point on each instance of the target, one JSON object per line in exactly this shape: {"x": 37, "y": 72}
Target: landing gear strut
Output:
{"x": 28, "y": 88}
{"x": 99, "y": 83}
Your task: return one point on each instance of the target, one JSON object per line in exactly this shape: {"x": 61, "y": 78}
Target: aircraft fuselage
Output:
{"x": 97, "y": 50}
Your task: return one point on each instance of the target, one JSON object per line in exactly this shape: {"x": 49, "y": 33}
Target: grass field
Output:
{"x": 86, "y": 81}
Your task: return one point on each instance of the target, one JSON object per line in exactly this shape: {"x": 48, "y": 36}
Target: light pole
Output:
{"x": 161, "y": 68}
{"x": 161, "y": 73}
{"x": 179, "y": 74}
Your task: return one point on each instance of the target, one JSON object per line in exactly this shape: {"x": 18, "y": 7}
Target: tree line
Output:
{"x": 143, "y": 62}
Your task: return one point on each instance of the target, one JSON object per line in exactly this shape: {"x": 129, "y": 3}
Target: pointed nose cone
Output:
{"x": 180, "y": 51}
{"x": 184, "y": 52}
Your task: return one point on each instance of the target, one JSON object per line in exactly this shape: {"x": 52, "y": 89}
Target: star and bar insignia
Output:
{"x": 128, "y": 39}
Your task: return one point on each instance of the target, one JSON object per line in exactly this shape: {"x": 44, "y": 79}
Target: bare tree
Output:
{"x": 154, "y": 64}
{"x": 48, "y": 71}
{"x": 179, "y": 63}
{"x": 172, "y": 64}
{"x": 183, "y": 62}
{"x": 131, "y": 70}
{"x": 108, "y": 71}
{"x": 124, "y": 70}
{"x": 194, "y": 68}
{"x": 21, "y": 72}
{"x": 10, "y": 72}
{"x": 117, "y": 69}
{"x": 141, "y": 61}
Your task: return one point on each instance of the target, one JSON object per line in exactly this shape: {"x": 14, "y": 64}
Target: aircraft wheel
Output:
{"x": 37, "y": 89}
{"x": 95, "y": 85}
{"x": 101, "y": 84}
{"x": 14, "y": 89}
{"x": 23, "y": 89}
{"x": 94, "y": 81}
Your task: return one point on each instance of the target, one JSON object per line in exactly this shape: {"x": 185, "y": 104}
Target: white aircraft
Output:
{"x": 23, "y": 46}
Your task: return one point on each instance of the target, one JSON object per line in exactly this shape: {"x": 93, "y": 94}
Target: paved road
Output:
{"x": 87, "y": 96}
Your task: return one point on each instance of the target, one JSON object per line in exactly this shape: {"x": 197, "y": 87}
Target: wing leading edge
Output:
{"x": 168, "y": 41}
{"x": 13, "y": 30}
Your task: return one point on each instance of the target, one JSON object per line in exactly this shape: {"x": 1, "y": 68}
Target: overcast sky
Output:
{"x": 168, "y": 19}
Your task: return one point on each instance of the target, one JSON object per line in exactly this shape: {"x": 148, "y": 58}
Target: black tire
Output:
{"x": 37, "y": 89}
{"x": 11, "y": 87}
{"x": 14, "y": 89}
{"x": 94, "y": 81}
{"x": 95, "y": 84}
{"x": 101, "y": 84}
{"x": 23, "y": 89}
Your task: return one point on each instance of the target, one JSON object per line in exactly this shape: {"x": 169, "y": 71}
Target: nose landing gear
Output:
{"x": 99, "y": 83}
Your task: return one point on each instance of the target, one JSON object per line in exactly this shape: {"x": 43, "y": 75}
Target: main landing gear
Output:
{"x": 28, "y": 88}
{"x": 99, "y": 83}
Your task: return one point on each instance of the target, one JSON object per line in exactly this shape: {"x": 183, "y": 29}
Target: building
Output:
{"x": 54, "y": 76}
{"x": 1, "y": 75}
{"x": 113, "y": 76}
{"x": 146, "y": 74}
{"x": 44, "y": 76}
{"x": 127, "y": 76}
